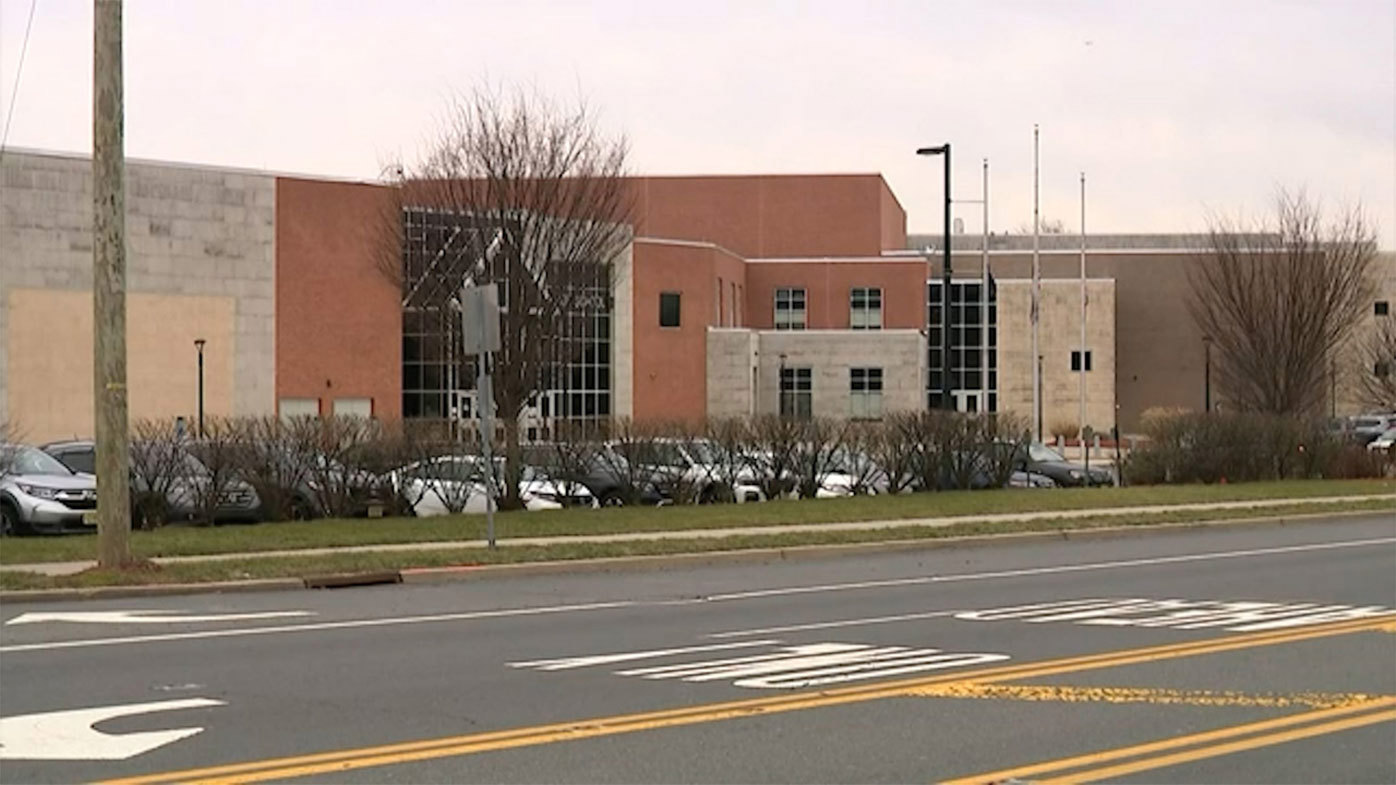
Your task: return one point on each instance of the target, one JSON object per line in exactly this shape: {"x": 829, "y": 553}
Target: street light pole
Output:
{"x": 199, "y": 345}
{"x": 946, "y": 399}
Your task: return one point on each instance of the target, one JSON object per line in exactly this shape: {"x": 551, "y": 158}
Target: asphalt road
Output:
{"x": 1260, "y": 654}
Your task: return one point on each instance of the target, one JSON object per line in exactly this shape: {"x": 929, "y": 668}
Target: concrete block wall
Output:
{"x": 732, "y": 356}
{"x": 1059, "y": 334}
{"x": 192, "y": 232}
{"x": 901, "y": 354}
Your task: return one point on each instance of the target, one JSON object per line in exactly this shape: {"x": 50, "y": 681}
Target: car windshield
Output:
{"x": 1044, "y": 454}
{"x": 31, "y": 460}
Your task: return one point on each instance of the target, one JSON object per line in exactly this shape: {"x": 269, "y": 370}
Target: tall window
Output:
{"x": 790, "y": 309}
{"x": 1076, "y": 360}
{"x": 796, "y": 393}
{"x": 865, "y": 393}
{"x": 972, "y": 368}
{"x": 719, "y": 302}
{"x": 865, "y": 308}
{"x": 668, "y": 309}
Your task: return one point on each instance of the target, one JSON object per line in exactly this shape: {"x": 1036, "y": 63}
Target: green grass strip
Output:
{"x": 299, "y": 566}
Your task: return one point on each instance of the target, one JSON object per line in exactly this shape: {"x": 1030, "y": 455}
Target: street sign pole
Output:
{"x": 480, "y": 332}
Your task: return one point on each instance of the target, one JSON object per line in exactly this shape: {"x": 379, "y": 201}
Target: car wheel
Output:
{"x": 612, "y": 499}
{"x": 9, "y": 520}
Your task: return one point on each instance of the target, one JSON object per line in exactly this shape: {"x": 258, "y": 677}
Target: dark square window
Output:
{"x": 1382, "y": 308}
{"x": 1076, "y": 360}
{"x": 668, "y": 309}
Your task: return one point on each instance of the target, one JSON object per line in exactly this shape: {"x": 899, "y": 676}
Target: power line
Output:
{"x": 14, "y": 93}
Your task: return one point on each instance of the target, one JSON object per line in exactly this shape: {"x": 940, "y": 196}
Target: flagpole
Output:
{"x": 984, "y": 303}
{"x": 1036, "y": 295}
{"x": 1081, "y": 421}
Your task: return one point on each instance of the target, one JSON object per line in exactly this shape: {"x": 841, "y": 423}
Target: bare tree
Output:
{"x": 1376, "y": 374}
{"x": 523, "y": 193}
{"x": 1279, "y": 300}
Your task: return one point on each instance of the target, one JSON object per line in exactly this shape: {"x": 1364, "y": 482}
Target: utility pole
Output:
{"x": 109, "y": 289}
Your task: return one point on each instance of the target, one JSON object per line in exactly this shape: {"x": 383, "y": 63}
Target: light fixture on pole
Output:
{"x": 946, "y": 399}
{"x": 199, "y": 346}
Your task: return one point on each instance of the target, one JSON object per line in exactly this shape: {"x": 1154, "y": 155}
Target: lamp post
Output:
{"x": 946, "y": 400}
{"x": 199, "y": 345}
{"x": 1207, "y": 373}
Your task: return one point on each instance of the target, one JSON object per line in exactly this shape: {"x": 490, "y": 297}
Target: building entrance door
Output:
{"x": 967, "y": 400}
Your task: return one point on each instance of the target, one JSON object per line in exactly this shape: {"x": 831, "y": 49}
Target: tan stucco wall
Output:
{"x": 49, "y": 342}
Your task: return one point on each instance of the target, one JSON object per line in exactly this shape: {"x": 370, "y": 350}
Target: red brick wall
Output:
{"x": 773, "y": 215}
{"x": 827, "y": 286}
{"x": 338, "y": 318}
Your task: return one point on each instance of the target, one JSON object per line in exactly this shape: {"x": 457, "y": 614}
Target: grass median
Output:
{"x": 183, "y": 540}
{"x": 300, "y": 566}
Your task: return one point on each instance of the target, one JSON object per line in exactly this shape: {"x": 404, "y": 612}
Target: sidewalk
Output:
{"x": 69, "y": 568}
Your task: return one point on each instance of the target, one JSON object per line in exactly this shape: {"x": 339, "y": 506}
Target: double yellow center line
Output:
{"x": 1182, "y": 749}
{"x": 407, "y": 752}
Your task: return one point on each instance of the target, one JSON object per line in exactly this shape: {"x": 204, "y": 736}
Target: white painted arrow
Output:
{"x": 69, "y": 735}
{"x": 145, "y": 617}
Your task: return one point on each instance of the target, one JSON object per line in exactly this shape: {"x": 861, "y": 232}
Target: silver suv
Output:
{"x": 38, "y": 493}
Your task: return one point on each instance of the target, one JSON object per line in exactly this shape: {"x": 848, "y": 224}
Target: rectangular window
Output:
{"x": 796, "y": 393}
{"x": 1076, "y": 360}
{"x": 1381, "y": 308}
{"x": 353, "y": 407}
{"x": 865, "y": 308}
{"x": 865, "y": 393}
{"x": 299, "y": 407}
{"x": 790, "y": 309}
{"x": 719, "y": 301}
{"x": 668, "y": 309}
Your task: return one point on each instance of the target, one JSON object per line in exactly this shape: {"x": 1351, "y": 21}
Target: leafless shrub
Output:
{"x": 276, "y": 456}
{"x": 1376, "y": 374}
{"x": 219, "y": 452}
{"x": 729, "y": 446}
{"x": 11, "y": 436}
{"x": 621, "y": 459}
{"x": 159, "y": 473}
{"x": 775, "y": 441}
{"x": 887, "y": 445}
{"x": 1279, "y": 302}
{"x": 817, "y": 453}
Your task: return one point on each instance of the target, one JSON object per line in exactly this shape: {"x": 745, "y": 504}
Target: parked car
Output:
{"x": 457, "y": 484}
{"x": 1365, "y": 428}
{"x": 695, "y": 467}
{"x": 1038, "y": 458}
{"x": 1383, "y": 443}
{"x": 39, "y": 494}
{"x": 171, "y": 473}
{"x": 602, "y": 470}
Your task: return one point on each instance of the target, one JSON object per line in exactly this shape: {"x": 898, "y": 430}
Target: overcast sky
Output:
{"x": 1173, "y": 109}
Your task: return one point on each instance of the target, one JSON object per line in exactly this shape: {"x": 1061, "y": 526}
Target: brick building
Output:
{"x": 738, "y": 294}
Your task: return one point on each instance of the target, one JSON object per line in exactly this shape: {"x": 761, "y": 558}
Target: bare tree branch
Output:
{"x": 1278, "y": 301}
{"x": 517, "y": 191}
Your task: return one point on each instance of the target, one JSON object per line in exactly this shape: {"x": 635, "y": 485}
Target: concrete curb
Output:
{"x": 816, "y": 552}
{"x": 426, "y": 575}
{"x": 151, "y": 590}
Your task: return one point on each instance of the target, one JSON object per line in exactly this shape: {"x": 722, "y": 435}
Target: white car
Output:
{"x": 1384, "y": 442}
{"x": 455, "y": 484}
